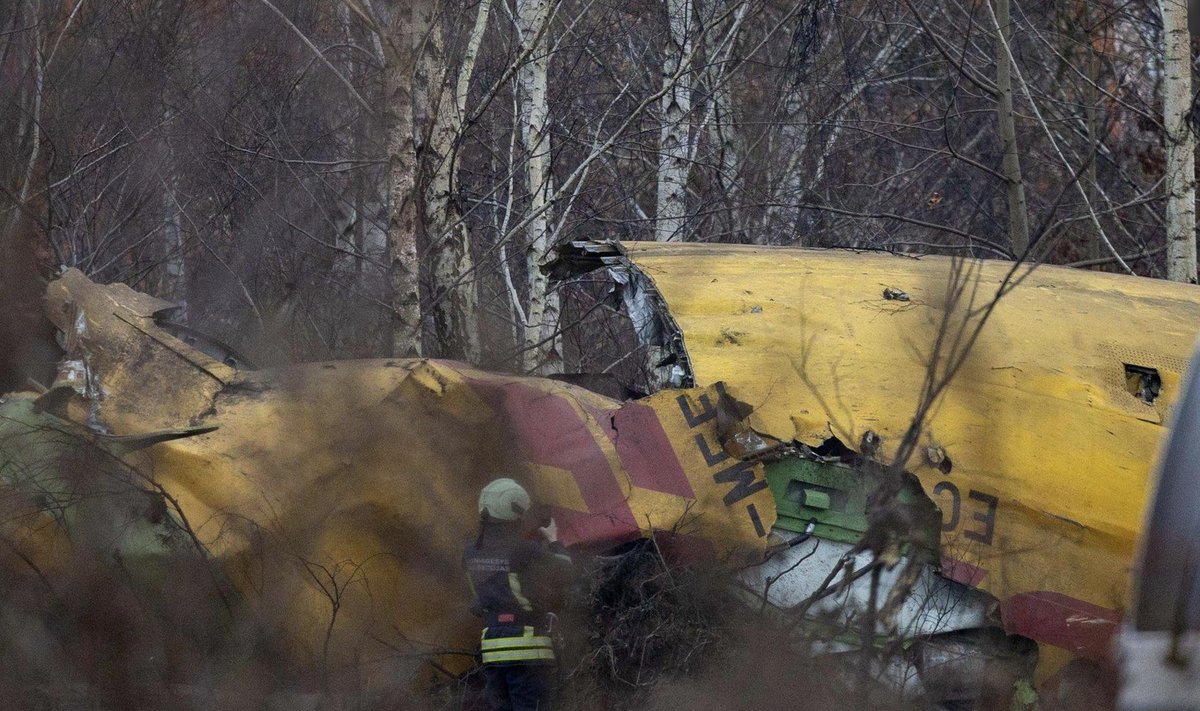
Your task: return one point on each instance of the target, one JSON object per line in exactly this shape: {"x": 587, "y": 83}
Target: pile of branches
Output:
{"x": 642, "y": 630}
{"x": 637, "y": 619}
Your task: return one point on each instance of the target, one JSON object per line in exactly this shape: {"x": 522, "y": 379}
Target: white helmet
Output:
{"x": 503, "y": 500}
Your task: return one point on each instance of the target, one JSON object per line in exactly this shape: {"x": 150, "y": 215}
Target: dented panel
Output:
{"x": 362, "y": 477}
{"x": 1038, "y": 453}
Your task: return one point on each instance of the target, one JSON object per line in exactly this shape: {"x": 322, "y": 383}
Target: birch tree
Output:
{"x": 377, "y": 177}
{"x": 455, "y": 300}
{"x": 410, "y": 23}
{"x": 1180, "y": 142}
{"x": 540, "y": 339}
{"x": 675, "y": 143}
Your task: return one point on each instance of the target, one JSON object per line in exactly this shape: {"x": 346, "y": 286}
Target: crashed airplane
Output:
{"x": 1038, "y": 452}
{"x": 331, "y": 495}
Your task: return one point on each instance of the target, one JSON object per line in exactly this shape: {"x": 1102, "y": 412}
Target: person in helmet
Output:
{"x": 514, "y": 581}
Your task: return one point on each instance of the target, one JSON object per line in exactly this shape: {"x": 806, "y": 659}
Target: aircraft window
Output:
{"x": 1143, "y": 383}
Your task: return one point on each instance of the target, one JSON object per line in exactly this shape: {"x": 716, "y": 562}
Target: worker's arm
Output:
{"x": 557, "y": 551}
{"x": 546, "y": 568}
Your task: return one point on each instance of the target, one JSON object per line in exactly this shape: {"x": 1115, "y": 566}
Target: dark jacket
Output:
{"x": 514, "y": 581}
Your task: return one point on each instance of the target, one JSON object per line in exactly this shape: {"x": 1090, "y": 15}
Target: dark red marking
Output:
{"x": 551, "y": 432}
{"x": 1063, "y": 621}
{"x": 583, "y": 531}
{"x": 644, "y": 449}
{"x": 963, "y": 572}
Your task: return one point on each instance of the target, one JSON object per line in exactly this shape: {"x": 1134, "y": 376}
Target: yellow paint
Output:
{"x": 362, "y": 476}
{"x": 1039, "y": 416}
{"x": 367, "y": 471}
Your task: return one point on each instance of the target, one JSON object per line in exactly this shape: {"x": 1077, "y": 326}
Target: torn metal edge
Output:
{"x": 579, "y": 258}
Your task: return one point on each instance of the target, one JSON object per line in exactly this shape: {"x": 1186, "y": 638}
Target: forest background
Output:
{"x": 318, "y": 180}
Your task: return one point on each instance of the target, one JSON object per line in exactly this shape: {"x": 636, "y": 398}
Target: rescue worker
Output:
{"x": 513, "y": 580}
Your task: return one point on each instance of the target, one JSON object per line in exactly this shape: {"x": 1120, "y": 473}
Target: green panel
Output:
{"x": 833, "y": 498}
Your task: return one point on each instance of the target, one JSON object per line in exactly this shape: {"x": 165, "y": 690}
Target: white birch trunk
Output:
{"x": 1181, "y": 143}
{"x": 455, "y": 308}
{"x": 403, "y": 264}
{"x": 727, "y": 140}
{"x": 675, "y": 141}
{"x": 540, "y": 342}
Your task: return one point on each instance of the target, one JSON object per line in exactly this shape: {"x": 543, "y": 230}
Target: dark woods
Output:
{"x": 369, "y": 178}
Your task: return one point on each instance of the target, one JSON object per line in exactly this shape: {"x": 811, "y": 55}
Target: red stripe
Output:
{"x": 645, "y": 452}
{"x": 549, "y": 431}
{"x": 1061, "y": 620}
{"x": 581, "y": 530}
{"x": 963, "y": 572}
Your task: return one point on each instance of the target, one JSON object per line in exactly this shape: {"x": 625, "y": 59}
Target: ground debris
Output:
{"x": 647, "y": 632}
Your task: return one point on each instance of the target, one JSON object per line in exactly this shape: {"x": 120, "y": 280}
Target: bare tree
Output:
{"x": 1180, "y": 140}
{"x": 1018, "y": 213}
{"x": 402, "y": 46}
{"x": 533, "y": 24}
{"x": 376, "y": 178}
{"x": 676, "y": 140}
{"x": 455, "y": 298}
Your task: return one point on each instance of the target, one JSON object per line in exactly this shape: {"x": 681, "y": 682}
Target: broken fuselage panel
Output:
{"x": 357, "y": 478}
{"x": 1037, "y": 451}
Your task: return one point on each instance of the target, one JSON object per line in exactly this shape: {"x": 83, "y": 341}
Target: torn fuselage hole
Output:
{"x": 945, "y": 466}
{"x": 621, "y": 324}
{"x": 834, "y": 449}
{"x": 937, "y": 457}
{"x": 1143, "y": 383}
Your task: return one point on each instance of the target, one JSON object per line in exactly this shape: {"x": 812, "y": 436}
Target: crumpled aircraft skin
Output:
{"x": 337, "y": 497}
{"x": 1039, "y": 453}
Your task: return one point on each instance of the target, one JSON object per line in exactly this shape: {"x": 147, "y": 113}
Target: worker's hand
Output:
{"x": 549, "y": 531}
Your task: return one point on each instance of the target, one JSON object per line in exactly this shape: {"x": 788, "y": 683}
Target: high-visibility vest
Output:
{"x": 525, "y": 647}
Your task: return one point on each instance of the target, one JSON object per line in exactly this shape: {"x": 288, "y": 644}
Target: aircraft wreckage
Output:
{"x": 335, "y": 497}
